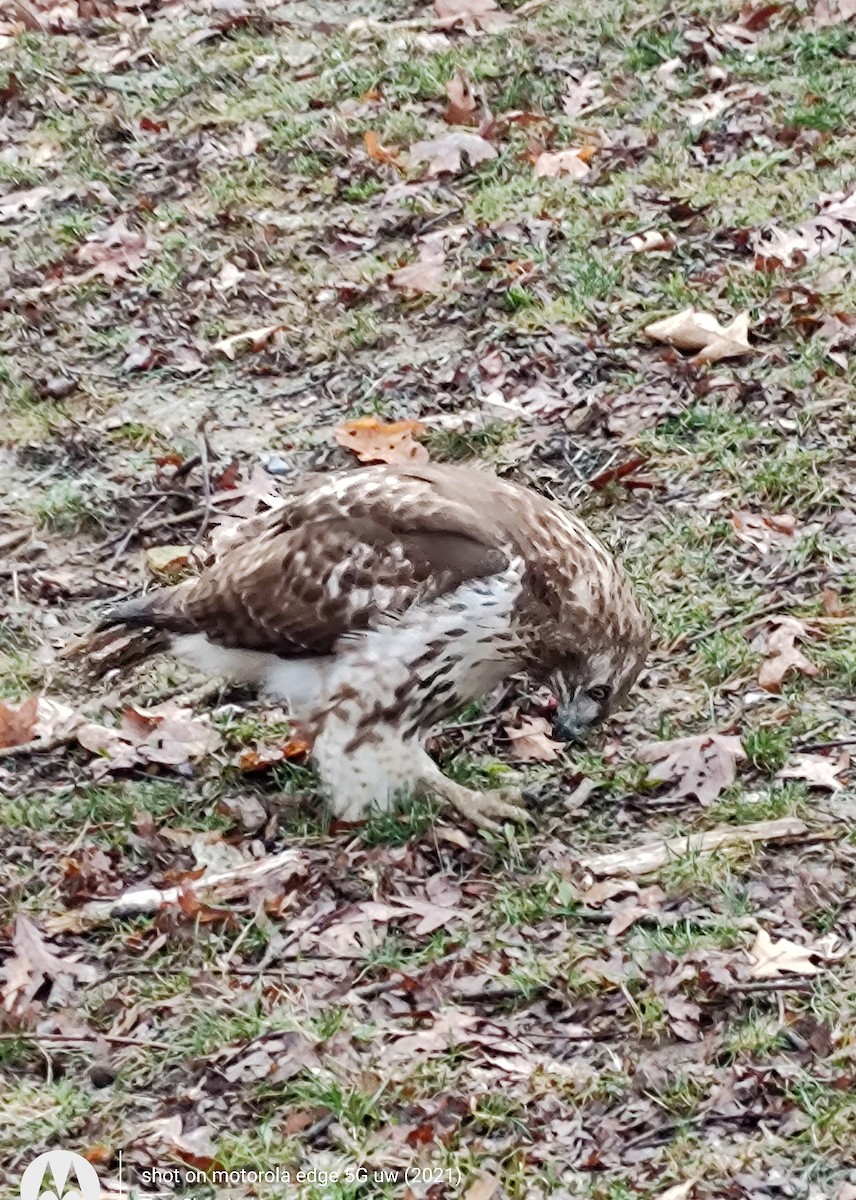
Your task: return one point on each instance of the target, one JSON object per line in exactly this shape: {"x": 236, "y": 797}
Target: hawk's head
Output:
{"x": 589, "y": 688}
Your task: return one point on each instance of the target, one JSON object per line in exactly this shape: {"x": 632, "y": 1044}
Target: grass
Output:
{"x": 314, "y": 1022}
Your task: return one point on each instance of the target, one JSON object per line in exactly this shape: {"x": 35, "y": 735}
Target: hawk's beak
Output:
{"x": 567, "y": 726}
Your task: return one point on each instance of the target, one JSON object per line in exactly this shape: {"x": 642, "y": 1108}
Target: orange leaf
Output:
{"x": 18, "y": 722}
{"x": 376, "y": 441}
{"x": 296, "y": 747}
{"x": 381, "y": 154}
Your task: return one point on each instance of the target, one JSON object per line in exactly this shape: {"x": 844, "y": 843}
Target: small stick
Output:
{"x": 83, "y": 1037}
{"x": 205, "y": 460}
{"x": 807, "y": 747}
{"x": 134, "y": 529}
{"x": 26, "y": 16}
{"x": 750, "y": 618}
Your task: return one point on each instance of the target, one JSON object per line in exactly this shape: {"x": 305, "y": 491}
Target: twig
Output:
{"x": 251, "y": 972}
{"x": 132, "y": 531}
{"x": 319, "y": 1127}
{"x": 26, "y": 16}
{"x": 769, "y": 985}
{"x": 83, "y": 1037}
{"x": 14, "y": 569}
{"x": 182, "y": 518}
{"x": 217, "y": 886}
{"x": 205, "y": 461}
{"x": 652, "y": 856}
{"x": 491, "y": 717}
{"x": 185, "y": 468}
{"x": 175, "y": 519}
{"x": 749, "y": 618}
{"x": 807, "y": 747}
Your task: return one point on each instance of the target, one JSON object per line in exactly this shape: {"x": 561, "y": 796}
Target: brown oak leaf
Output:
{"x": 532, "y": 741}
{"x": 376, "y": 441}
{"x": 784, "y": 654}
{"x": 424, "y": 275}
{"x": 444, "y": 154}
{"x": 472, "y": 15}
{"x": 700, "y": 766}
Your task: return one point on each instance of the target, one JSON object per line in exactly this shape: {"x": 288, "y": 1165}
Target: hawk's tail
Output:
{"x": 128, "y": 633}
{"x": 160, "y": 610}
{"x": 142, "y": 612}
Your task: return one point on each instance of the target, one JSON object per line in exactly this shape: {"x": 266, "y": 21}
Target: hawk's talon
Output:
{"x": 482, "y": 807}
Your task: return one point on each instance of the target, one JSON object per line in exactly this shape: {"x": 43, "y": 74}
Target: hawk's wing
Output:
{"x": 330, "y": 562}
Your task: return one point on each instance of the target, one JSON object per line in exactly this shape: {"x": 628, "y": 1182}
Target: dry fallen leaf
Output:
{"x": 471, "y": 15}
{"x": 250, "y": 339}
{"x": 830, "y": 12}
{"x": 667, "y": 70}
{"x": 763, "y": 530}
{"x": 776, "y": 248}
{"x": 36, "y": 719}
{"x": 230, "y": 276}
{"x": 816, "y": 769}
{"x": 14, "y": 204}
{"x": 484, "y": 1188}
{"x": 462, "y": 107}
{"x": 267, "y": 756}
{"x": 425, "y": 275}
{"x": 532, "y": 740}
{"x": 165, "y": 734}
{"x": 831, "y": 603}
{"x": 563, "y": 162}
{"x": 32, "y": 963}
{"x": 382, "y": 154}
{"x": 706, "y": 108}
{"x": 651, "y": 241}
{"x": 784, "y": 655}
{"x": 115, "y": 254}
{"x": 624, "y": 918}
{"x": 607, "y": 889}
{"x": 582, "y": 96}
{"x": 18, "y": 722}
{"x": 782, "y": 957}
{"x": 679, "y": 1191}
{"x": 693, "y": 330}
{"x": 443, "y": 154}
{"x": 699, "y": 766}
{"x": 373, "y": 440}
{"x": 166, "y": 562}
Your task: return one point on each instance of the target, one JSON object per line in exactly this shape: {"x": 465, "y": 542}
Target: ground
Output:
{"x": 486, "y": 1012}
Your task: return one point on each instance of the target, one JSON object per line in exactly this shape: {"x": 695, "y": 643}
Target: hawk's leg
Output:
{"x": 387, "y": 765}
{"x": 371, "y": 773}
{"x": 478, "y": 807}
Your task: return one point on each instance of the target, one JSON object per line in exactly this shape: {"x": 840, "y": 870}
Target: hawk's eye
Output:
{"x": 599, "y": 694}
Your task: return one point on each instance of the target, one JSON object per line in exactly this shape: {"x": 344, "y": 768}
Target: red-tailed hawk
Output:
{"x": 379, "y": 601}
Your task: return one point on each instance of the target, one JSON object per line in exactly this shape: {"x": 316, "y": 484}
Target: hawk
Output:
{"x": 377, "y": 602}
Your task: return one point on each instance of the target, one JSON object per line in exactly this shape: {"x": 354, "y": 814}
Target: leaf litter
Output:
{"x": 427, "y": 943}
